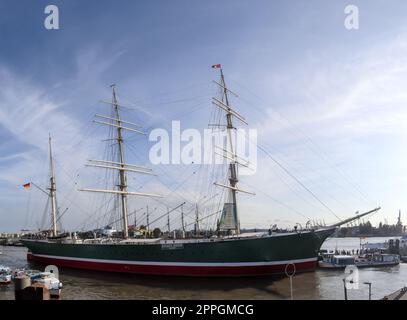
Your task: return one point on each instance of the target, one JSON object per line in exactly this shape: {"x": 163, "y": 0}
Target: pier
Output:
{"x": 400, "y": 294}
{"x": 12, "y": 239}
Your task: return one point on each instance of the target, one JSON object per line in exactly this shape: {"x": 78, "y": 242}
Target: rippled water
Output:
{"x": 321, "y": 284}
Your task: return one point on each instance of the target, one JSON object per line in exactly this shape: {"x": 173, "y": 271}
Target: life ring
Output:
{"x": 286, "y": 270}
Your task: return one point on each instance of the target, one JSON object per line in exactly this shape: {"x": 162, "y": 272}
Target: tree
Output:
{"x": 365, "y": 228}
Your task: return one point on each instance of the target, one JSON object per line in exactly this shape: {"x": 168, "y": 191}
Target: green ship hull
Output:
{"x": 235, "y": 256}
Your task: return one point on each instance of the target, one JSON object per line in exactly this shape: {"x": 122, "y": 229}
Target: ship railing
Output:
{"x": 140, "y": 241}
{"x": 97, "y": 240}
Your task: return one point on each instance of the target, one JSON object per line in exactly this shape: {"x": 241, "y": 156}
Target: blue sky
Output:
{"x": 329, "y": 103}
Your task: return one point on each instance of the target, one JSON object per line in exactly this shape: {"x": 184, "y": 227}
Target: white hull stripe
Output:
{"x": 181, "y": 264}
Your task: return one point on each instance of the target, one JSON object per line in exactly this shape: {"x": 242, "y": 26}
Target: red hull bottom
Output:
{"x": 171, "y": 270}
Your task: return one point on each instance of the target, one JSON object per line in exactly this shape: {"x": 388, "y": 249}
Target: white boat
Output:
{"x": 5, "y": 275}
{"x": 49, "y": 280}
{"x": 332, "y": 261}
{"x": 378, "y": 260}
{"x": 403, "y": 248}
{"x": 376, "y": 246}
{"x": 26, "y": 272}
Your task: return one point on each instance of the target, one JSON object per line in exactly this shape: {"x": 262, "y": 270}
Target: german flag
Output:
{"x": 27, "y": 185}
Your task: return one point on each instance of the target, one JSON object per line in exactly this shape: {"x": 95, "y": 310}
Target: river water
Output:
{"x": 321, "y": 284}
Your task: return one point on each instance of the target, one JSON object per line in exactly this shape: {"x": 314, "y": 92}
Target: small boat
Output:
{"x": 39, "y": 277}
{"x": 49, "y": 280}
{"x": 5, "y": 275}
{"x": 26, "y": 272}
{"x": 332, "y": 261}
{"x": 378, "y": 260}
{"x": 403, "y": 248}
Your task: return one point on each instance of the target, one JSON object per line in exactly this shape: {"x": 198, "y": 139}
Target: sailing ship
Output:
{"x": 229, "y": 253}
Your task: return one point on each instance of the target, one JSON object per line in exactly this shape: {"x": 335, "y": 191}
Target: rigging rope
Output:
{"x": 298, "y": 181}
{"x": 315, "y": 149}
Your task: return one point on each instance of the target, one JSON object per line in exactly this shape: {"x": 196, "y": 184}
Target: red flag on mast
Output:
{"x": 216, "y": 66}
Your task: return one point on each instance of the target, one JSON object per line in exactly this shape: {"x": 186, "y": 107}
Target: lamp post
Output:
{"x": 344, "y": 289}
{"x": 370, "y": 289}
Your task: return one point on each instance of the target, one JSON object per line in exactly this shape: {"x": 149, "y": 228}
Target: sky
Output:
{"x": 328, "y": 104}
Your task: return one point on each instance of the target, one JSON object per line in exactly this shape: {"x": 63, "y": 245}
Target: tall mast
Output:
{"x": 122, "y": 173}
{"x": 168, "y": 220}
{"x": 182, "y": 218}
{"x": 196, "y": 220}
{"x": 52, "y": 192}
{"x": 230, "y": 208}
{"x": 121, "y": 166}
{"x": 232, "y": 166}
{"x": 148, "y": 220}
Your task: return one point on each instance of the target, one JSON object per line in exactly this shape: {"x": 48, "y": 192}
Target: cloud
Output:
{"x": 328, "y": 116}
{"x": 29, "y": 112}
{"x": 347, "y": 116}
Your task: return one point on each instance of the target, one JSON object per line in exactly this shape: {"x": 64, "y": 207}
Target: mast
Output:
{"x": 168, "y": 221}
{"x": 196, "y": 220}
{"x": 52, "y": 192}
{"x": 148, "y": 220}
{"x": 230, "y": 208}
{"x": 233, "y": 179}
{"x": 182, "y": 219}
{"x": 122, "y": 173}
{"x": 120, "y": 165}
